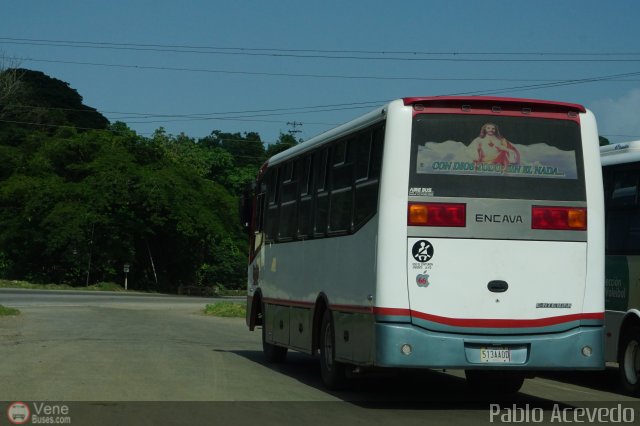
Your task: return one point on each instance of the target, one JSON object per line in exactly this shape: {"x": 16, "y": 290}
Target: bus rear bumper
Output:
{"x": 408, "y": 346}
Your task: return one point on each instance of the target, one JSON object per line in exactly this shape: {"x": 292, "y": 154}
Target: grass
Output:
{"x": 226, "y": 309}
{"x": 232, "y": 292}
{"x": 32, "y": 286}
{"x": 103, "y": 286}
{"x": 4, "y": 311}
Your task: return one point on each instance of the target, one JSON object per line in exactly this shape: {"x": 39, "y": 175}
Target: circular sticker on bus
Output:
{"x": 422, "y": 251}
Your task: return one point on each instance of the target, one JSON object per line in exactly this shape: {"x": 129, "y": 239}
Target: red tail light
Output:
{"x": 437, "y": 214}
{"x": 559, "y": 218}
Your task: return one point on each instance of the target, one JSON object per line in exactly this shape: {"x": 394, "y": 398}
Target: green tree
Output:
{"x": 284, "y": 142}
{"x": 246, "y": 154}
{"x": 9, "y": 82}
{"x": 34, "y": 100}
{"x": 76, "y": 204}
{"x": 247, "y": 149}
{"x": 83, "y": 205}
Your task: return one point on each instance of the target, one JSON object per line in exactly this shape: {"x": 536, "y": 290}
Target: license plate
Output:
{"x": 495, "y": 355}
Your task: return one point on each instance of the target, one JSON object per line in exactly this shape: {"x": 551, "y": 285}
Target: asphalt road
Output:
{"x": 155, "y": 359}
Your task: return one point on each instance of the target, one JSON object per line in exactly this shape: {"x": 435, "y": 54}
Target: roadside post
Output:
{"x": 126, "y": 273}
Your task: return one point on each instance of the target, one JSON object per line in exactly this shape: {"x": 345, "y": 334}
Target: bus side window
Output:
{"x": 623, "y": 210}
{"x": 367, "y": 176}
{"x": 625, "y": 190}
{"x": 366, "y": 187}
{"x": 332, "y": 191}
{"x": 341, "y": 183}
{"x": 258, "y": 234}
{"x": 321, "y": 192}
{"x": 305, "y": 210}
{"x": 271, "y": 217}
{"x": 287, "y": 228}
{"x": 377, "y": 143}
{"x": 261, "y": 190}
{"x": 362, "y": 154}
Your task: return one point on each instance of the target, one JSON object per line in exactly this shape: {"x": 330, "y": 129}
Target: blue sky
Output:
{"x": 197, "y": 66}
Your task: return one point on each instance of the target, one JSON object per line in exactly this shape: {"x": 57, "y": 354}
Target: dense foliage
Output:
{"x": 80, "y": 197}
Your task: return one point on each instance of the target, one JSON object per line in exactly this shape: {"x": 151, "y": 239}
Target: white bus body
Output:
{"x": 621, "y": 173}
{"x": 435, "y": 232}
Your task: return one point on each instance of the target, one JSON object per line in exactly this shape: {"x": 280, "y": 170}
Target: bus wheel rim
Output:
{"x": 328, "y": 347}
{"x": 632, "y": 362}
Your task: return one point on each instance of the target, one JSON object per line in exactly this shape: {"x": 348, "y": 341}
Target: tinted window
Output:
{"x": 271, "y": 213}
{"x": 288, "y": 226}
{"x": 622, "y": 208}
{"x": 330, "y": 191}
{"x": 305, "y": 209}
{"x": 362, "y": 155}
{"x": 456, "y": 155}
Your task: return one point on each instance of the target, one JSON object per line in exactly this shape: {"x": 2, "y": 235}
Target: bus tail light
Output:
{"x": 559, "y": 218}
{"x": 437, "y": 214}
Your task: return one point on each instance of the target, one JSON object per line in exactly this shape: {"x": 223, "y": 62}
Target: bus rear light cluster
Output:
{"x": 559, "y": 218}
{"x": 437, "y": 214}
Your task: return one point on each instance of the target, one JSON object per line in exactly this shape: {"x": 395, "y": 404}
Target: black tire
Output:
{"x": 273, "y": 353}
{"x": 495, "y": 382}
{"x": 333, "y": 372}
{"x": 629, "y": 360}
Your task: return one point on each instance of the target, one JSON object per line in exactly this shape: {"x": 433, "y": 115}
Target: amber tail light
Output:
{"x": 559, "y": 218}
{"x": 437, "y": 214}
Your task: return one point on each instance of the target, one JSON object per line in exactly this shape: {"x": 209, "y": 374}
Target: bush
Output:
{"x": 226, "y": 309}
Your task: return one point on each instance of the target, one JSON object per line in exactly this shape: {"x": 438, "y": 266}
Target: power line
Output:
{"x": 339, "y": 107}
{"x": 208, "y": 114}
{"x": 213, "y": 71}
{"x": 256, "y": 73}
{"x": 329, "y": 54}
{"x": 249, "y": 115}
{"x": 547, "y": 85}
{"x": 360, "y": 105}
{"x": 249, "y": 118}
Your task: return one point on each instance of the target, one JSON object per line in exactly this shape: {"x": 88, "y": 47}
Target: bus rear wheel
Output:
{"x": 333, "y": 372}
{"x": 495, "y": 382}
{"x": 630, "y": 360}
{"x": 272, "y": 353}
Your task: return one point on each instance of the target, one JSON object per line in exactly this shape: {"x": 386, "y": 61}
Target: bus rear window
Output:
{"x": 456, "y": 155}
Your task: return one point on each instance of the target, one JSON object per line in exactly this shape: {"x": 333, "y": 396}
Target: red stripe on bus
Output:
{"x": 491, "y": 323}
{"x": 454, "y": 101}
{"x": 394, "y": 312}
{"x": 456, "y": 322}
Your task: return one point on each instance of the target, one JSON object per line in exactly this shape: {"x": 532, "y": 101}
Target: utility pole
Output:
{"x": 295, "y": 125}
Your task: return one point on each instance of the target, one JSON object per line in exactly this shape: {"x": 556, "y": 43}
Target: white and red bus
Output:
{"x": 621, "y": 173}
{"x": 445, "y": 232}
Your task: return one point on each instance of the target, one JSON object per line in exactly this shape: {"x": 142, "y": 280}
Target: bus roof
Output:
{"x": 625, "y": 152}
{"x": 359, "y": 123}
{"x": 451, "y": 101}
{"x": 486, "y": 102}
